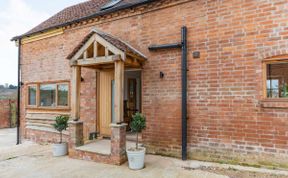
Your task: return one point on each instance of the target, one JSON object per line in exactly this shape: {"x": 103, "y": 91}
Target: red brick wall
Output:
{"x": 45, "y": 137}
{"x": 88, "y": 101}
{"x": 5, "y": 113}
{"x": 225, "y": 85}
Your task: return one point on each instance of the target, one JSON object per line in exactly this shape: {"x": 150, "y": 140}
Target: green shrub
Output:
{"x": 138, "y": 124}
{"x": 61, "y": 123}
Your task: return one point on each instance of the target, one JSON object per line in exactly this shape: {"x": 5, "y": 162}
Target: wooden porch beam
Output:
{"x": 75, "y": 92}
{"x": 98, "y": 60}
{"x": 110, "y": 47}
{"x": 119, "y": 90}
{"x": 85, "y": 54}
{"x": 132, "y": 62}
{"x": 106, "y": 51}
{"x": 95, "y": 49}
{"x": 84, "y": 48}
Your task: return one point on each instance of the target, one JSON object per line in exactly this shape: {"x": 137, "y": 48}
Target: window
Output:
{"x": 110, "y": 4}
{"x": 51, "y": 95}
{"x": 47, "y": 95}
{"x": 272, "y": 88}
{"x": 32, "y": 95}
{"x": 277, "y": 80}
{"x": 63, "y": 95}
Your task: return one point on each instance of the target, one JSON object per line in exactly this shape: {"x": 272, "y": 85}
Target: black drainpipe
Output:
{"x": 18, "y": 92}
{"x": 183, "y": 46}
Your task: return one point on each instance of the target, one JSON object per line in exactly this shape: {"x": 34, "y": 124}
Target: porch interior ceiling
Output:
{"x": 100, "y": 50}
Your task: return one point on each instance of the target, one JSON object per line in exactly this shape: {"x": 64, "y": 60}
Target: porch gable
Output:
{"x": 99, "y": 48}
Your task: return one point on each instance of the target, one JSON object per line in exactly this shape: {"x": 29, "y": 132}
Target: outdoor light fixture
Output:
{"x": 196, "y": 54}
{"x": 161, "y": 75}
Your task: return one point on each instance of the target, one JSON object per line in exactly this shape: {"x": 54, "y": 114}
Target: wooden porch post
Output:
{"x": 118, "y": 129}
{"x": 119, "y": 90}
{"x": 75, "y": 92}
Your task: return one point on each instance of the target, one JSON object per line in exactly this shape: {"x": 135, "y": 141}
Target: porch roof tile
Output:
{"x": 118, "y": 43}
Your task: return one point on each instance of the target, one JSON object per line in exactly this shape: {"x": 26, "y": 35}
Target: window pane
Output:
{"x": 47, "y": 95}
{"x": 32, "y": 95}
{"x": 63, "y": 95}
{"x": 277, "y": 80}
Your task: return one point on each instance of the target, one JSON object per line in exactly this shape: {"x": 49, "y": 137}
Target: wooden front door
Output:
{"x": 105, "y": 102}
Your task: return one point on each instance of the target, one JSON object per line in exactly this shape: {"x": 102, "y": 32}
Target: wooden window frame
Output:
{"x": 56, "y": 104}
{"x": 272, "y": 60}
{"x": 68, "y": 97}
{"x": 28, "y": 96}
{"x": 57, "y": 107}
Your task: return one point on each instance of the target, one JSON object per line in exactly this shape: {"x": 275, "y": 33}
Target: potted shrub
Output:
{"x": 61, "y": 123}
{"x": 136, "y": 155}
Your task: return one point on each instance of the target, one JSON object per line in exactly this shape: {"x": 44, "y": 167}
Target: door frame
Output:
{"x": 141, "y": 86}
{"x": 98, "y": 98}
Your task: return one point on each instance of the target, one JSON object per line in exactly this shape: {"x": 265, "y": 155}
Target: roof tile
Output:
{"x": 79, "y": 11}
{"x": 118, "y": 43}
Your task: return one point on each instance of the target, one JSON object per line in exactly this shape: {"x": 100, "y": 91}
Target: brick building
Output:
{"x": 93, "y": 64}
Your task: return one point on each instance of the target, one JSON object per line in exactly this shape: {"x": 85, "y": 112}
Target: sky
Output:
{"x": 16, "y": 18}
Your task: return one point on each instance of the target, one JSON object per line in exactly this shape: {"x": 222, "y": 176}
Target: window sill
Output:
{"x": 275, "y": 103}
{"x": 48, "y": 108}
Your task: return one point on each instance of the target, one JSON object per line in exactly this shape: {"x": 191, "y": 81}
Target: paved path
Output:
{"x": 33, "y": 161}
{"x": 7, "y": 138}
{"x": 30, "y": 160}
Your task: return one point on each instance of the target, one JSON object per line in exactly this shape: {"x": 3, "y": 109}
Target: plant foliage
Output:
{"x": 61, "y": 123}
{"x": 138, "y": 124}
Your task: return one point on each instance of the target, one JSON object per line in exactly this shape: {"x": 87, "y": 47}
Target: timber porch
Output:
{"x": 112, "y": 59}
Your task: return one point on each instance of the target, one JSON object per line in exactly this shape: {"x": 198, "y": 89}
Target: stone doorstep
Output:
{"x": 102, "y": 146}
{"x": 97, "y": 157}
{"x": 129, "y": 137}
{"x": 100, "y": 151}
